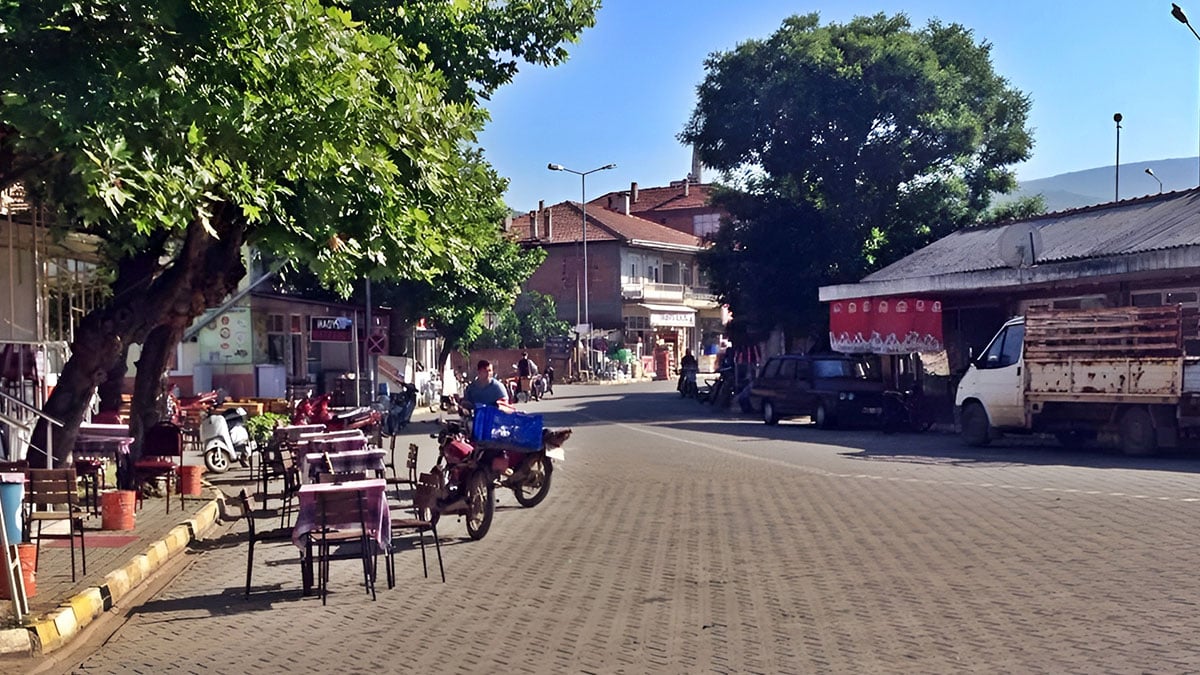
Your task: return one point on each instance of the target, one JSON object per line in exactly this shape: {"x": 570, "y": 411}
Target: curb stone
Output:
{"x": 48, "y": 633}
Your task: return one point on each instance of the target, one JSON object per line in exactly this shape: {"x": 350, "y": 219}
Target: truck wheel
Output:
{"x": 976, "y": 430}
{"x": 1138, "y": 436}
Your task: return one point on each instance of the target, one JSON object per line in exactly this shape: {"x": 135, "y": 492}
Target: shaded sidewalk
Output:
{"x": 117, "y": 562}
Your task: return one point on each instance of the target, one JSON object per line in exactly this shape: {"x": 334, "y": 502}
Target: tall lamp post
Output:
{"x": 1150, "y": 172}
{"x": 587, "y": 318}
{"x": 1117, "y": 174}
{"x": 1177, "y": 12}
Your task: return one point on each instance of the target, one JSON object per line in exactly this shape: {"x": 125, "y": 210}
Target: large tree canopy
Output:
{"x": 336, "y": 135}
{"x": 847, "y": 146}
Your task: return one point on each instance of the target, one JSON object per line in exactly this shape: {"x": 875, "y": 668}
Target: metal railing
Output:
{"x": 10, "y": 421}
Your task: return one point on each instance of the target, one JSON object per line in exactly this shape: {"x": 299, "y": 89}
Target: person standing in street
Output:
{"x": 549, "y": 378}
{"x": 526, "y": 370}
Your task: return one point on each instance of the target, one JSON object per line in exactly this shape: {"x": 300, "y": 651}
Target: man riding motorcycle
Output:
{"x": 688, "y": 367}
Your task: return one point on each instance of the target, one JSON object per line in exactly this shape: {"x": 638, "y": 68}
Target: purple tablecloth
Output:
{"x": 378, "y": 518}
{"x": 371, "y": 461}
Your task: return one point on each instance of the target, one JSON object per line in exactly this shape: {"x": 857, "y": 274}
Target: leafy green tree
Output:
{"x": 537, "y": 319}
{"x": 847, "y": 147}
{"x": 505, "y": 334}
{"x": 526, "y": 324}
{"x": 1021, "y": 208}
{"x": 337, "y": 135}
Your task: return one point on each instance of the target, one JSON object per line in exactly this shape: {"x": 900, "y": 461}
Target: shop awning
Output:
{"x": 897, "y": 325}
{"x": 670, "y": 316}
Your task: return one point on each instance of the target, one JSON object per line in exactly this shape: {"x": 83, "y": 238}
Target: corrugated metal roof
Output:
{"x": 1141, "y": 225}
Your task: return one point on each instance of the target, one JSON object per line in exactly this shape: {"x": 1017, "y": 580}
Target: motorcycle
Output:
{"x": 316, "y": 411}
{"x": 469, "y": 470}
{"x": 180, "y": 408}
{"x": 396, "y": 409}
{"x": 687, "y": 383}
{"x": 224, "y": 439}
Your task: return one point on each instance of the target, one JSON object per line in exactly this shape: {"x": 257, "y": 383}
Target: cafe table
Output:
{"x": 376, "y": 514}
{"x": 368, "y": 460}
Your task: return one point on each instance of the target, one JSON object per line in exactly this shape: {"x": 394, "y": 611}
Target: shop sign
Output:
{"x": 330, "y": 329}
{"x": 558, "y": 346}
{"x": 673, "y": 319}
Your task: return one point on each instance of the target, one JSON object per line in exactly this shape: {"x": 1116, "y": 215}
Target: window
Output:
{"x": 1005, "y": 349}
{"x": 670, "y": 273}
{"x": 706, "y": 224}
{"x": 1146, "y": 299}
{"x": 787, "y": 369}
{"x": 771, "y": 369}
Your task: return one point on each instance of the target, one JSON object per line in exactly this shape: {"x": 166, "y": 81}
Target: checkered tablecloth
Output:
{"x": 377, "y": 516}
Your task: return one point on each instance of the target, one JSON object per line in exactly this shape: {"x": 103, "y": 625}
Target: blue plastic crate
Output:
{"x": 520, "y": 429}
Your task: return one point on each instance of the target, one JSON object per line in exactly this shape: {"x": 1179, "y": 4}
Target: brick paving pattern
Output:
{"x": 677, "y": 543}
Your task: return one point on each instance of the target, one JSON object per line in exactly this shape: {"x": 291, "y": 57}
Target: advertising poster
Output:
{"x": 225, "y": 339}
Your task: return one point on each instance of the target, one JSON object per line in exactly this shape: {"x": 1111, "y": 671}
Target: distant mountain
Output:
{"x": 1096, "y": 186}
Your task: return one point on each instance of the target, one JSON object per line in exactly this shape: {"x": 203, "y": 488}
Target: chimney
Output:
{"x": 533, "y": 224}
{"x": 633, "y": 192}
{"x": 610, "y": 203}
{"x": 686, "y": 185}
{"x": 508, "y": 223}
{"x": 550, "y": 224}
{"x": 626, "y": 205}
{"x": 540, "y": 210}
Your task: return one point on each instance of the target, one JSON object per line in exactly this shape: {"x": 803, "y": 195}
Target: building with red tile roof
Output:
{"x": 682, "y": 205}
{"x": 643, "y": 281}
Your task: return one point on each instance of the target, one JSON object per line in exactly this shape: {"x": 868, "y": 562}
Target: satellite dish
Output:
{"x": 1020, "y": 245}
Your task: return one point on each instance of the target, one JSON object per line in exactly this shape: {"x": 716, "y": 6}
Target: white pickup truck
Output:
{"x": 1078, "y": 373}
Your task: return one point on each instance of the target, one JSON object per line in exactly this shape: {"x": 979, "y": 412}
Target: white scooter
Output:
{"x": 224, "y": 439}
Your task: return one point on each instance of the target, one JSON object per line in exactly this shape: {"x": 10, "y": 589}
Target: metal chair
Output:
{"x": 422, "y": 521}
{"x": 50, "y": 488}
{"x": 255, "y": 536}
{"x": 337, "y": 509}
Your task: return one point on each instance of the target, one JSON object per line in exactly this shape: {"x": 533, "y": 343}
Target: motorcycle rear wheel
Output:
{"x": 536, "y": 484}
{"x": 481, "y": 504}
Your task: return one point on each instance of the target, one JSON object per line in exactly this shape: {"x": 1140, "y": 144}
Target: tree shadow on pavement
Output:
{"x": 937, "y": 448}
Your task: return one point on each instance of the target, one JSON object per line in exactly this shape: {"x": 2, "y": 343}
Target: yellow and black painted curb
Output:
{"x": 50, "y": 632}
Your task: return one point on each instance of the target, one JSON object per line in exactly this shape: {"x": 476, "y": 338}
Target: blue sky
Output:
{"x": 629, "y": 86}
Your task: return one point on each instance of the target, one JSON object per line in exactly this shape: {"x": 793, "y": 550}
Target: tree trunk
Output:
{"x": 149, "y": 402}
{"x": 113, "y": 386}
{"x": 205, "y": 271}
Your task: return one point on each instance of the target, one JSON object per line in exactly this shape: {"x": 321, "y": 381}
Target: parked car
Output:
{"x": 832, "y": 389}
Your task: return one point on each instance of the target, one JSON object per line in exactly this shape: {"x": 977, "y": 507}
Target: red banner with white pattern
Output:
{"x": 885, "y": 325}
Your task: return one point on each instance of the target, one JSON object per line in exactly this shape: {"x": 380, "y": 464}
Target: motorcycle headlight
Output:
{"x": 841, "y": 396}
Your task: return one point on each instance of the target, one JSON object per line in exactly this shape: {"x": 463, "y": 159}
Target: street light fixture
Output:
{"x": 587, "y": 319}
{"x": 1117, "y": 174}
{"x": 1150, "y": 172}
{"x": 1177, "y": 12}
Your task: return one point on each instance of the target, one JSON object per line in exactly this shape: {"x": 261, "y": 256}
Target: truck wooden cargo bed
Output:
{"x": 1120, "y": 355}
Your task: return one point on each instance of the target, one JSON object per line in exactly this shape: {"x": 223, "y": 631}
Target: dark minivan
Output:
{"x": 832, "y": 389}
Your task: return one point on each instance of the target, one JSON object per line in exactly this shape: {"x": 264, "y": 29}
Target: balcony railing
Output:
{"x": 652, "y": 292}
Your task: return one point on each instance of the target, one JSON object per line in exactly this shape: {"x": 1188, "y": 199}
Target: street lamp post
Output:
{"x": 1150, "y": 172}
{"x": 587, "y": 318}
{"x": 1177, "y": 12}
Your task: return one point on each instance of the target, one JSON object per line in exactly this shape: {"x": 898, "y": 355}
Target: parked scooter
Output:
{"x": 224, "y": 439}
{"x": 397, "y": 409}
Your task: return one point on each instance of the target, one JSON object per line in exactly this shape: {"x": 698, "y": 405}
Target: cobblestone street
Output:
{"x": 676, "y": 541}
